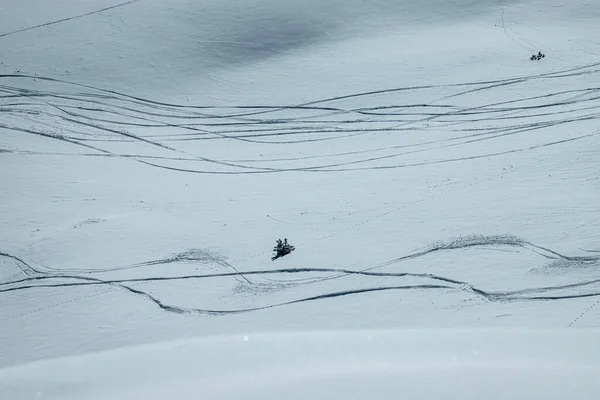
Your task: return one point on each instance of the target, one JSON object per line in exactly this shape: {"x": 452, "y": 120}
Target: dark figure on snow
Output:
{"x": 282, "y": 249}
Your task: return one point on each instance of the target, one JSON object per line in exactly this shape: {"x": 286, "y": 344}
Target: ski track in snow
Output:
{"x": 67, "y": 19}
{"x": 40, "y": 278}
{"x": 95, "y": 119}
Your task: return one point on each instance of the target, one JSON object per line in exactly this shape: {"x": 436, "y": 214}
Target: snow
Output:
{"x": 427, "y": 172}
{"x": 365, "y": 364}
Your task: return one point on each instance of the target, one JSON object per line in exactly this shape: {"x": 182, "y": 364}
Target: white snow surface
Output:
{"x": 369, "y": 364}
{"x": 427, "y": 172}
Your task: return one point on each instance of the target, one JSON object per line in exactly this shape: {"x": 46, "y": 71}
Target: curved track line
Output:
{"x": 527, "y": 294}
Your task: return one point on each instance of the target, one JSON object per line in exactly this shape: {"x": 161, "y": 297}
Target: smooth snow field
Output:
{"x": 429, "y": 174}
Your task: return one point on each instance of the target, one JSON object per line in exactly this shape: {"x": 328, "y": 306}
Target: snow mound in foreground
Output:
{"x": 332, "y": 365}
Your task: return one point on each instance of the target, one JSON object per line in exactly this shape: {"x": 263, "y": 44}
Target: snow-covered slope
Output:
{"x": 427, "y": 172}
{"x": 413, "y": 364}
